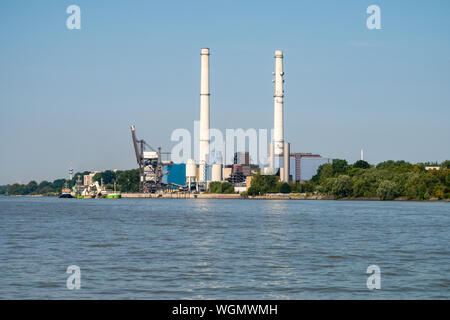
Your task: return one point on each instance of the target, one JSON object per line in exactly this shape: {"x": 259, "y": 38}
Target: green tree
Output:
{"x": 387, "y": 190}
{"x": 215, "y": 187}
{"x": 129, "y": 180}
{"x": 303, "y": 187}
{"x": 447, "y": 178}
{"x": 44, "y": 187}
{"x": 285, "y": 188}
{"x": 445, "y": 164}
{"x": 252, "y": 191}
{"x": 339, "y": 166}
{"x": 108, "y": 177}
{"x": 324, "y": 172}
{"x": 31, "y": 187}
{"x": 227, "y": 187}
{"x": 342, "y": 187}
{"x": 264, "y": 184}
{"x": 221, "y": 187}
{"x": 361, "y": 164}
{"x": 396, "y": 166}
{"x": 59, "y": 184}
{"x": 16, "y": 189}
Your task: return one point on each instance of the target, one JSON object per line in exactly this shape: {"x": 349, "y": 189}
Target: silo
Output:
{"x": 191, "y": 172}
{"x": 216, "y": 172}
{"x": 191, "y": 169}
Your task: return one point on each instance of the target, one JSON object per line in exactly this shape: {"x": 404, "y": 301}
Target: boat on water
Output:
{"x": 114, "y": 196}
{"x": 66, "y": 193}
{"x": 91, "y": 191}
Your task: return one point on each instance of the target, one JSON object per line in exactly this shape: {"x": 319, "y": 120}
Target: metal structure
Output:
{"x": 150, "y": 165}
{"x": 236, "y": 178}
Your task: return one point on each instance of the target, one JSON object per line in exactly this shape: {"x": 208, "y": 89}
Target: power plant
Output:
{"x": 155, "y": 173}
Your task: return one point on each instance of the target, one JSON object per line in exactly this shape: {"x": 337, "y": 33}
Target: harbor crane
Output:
{"x": 150, "y": 165}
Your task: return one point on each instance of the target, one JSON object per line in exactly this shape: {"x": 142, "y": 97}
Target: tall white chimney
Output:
{"x": 204, "y": 106}
{"x": 278, "y": 130}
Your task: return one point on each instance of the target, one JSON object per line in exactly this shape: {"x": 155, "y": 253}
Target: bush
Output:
{"x": 227, "y": 187}
{"x": 387, "y": 190}
{"x": 215, "y": 187}
{"x": 221, "y": 187}
{"x": 342, "y": 187}
{"x": 285, "y": 188}
{"x": 361, "y": 164}
{"x": 16, "y": 189}
{"x": 252, "y": 191}
{"x": 264, "y": 184}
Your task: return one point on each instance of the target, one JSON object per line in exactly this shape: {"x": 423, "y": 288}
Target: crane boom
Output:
{"x": 136, "y": 148}
{"x": 150, "y": 165}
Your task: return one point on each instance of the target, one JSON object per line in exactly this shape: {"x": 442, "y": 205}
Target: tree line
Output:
{"x": 387, "y": 180}
{"x": 126, "y": 181}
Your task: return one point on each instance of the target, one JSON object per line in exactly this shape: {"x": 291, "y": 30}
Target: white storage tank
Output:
{"x": 191, "y": 169}
{"x": 216, "y": 172}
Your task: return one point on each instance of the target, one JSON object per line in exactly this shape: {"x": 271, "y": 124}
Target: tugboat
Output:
{"x": 66, "y": 192}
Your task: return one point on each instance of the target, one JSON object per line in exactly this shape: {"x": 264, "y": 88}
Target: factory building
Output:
{"x": 175, "y": 174}
{"x": 226, "y": 172}
{"x": 241, "y": 158}
{"x": 88, "y": 179}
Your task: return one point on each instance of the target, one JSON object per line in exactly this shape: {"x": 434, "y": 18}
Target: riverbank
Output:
{"x": 236, "y": 196}
{"x": 177, "y": 195}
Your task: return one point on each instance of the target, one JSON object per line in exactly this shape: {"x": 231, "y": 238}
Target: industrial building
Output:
{"x": 241, "y": 158}
{"x": 157, "y": 174}
{"x": 88, "y": 179}
{"x": 175, "y": 174}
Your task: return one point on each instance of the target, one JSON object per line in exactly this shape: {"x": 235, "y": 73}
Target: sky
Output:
{"x": 70, "y": 96}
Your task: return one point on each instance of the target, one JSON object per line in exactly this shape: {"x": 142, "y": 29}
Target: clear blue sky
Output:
{"x": 71, "y": 95}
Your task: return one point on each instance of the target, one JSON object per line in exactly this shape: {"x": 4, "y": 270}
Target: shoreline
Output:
{"x": 235, "y": 196}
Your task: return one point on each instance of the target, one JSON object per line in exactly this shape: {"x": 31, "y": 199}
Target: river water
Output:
{"x": 223, "y": 249}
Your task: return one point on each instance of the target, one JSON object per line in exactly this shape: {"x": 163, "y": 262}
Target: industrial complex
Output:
{"x": 160, "y": 175}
